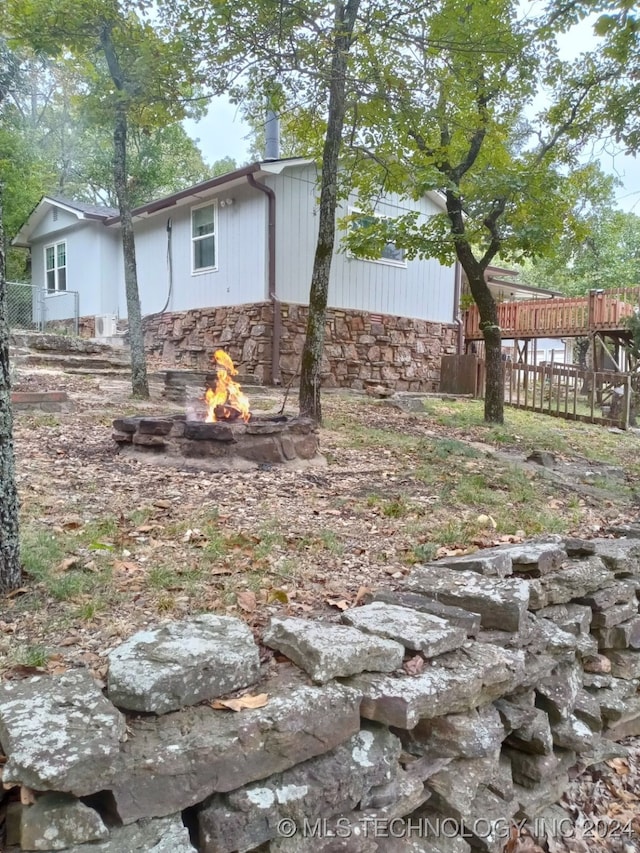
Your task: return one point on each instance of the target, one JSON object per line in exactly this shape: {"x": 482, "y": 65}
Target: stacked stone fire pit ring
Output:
{"x": 222, "y": 446}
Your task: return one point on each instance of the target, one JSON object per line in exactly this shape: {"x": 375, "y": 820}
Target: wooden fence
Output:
{"x": 571, "y": 392}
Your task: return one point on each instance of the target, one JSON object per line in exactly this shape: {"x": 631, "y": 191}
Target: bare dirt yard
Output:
{"x": 111, "y": 545}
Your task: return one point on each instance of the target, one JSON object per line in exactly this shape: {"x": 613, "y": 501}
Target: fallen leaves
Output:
{"x": 339, "y": 603}
{"x": 67, "y": 564}
{"x": 241, "y": 703}
{"x": 247, "y": 601}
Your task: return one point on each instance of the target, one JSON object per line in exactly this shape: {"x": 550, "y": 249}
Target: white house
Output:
{"x": 228, "y": 262}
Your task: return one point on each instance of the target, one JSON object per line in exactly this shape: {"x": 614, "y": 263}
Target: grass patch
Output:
{"x": 40, "y": 550}
{"x": 36, "y": 656}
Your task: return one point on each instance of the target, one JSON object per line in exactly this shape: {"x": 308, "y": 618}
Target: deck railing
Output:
{"x": 559, "y": 317}
{"x": 571, "y": 392}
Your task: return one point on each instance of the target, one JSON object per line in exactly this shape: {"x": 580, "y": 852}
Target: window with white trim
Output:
{"x": 390, "y": 253}
{"x": 55, "y": 267}
{"x": 204, "y": 255}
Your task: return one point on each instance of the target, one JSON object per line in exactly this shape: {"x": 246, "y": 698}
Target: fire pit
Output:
{"x": 223, "y": 435}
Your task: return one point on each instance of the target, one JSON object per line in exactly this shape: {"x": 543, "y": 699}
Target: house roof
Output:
{"x": 80, "y": 209}
{"x": 111, "y": 216}
{"x": 91, "y": 211}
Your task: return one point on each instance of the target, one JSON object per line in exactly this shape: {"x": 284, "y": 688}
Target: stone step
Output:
{"x": 71, "y": 362}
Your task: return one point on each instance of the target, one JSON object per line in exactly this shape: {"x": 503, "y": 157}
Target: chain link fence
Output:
{"x": 23, "y": 306}
{"x": 31, "y": 308}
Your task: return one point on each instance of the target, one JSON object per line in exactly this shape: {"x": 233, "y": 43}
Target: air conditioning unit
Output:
{"x": 106, "y": 325}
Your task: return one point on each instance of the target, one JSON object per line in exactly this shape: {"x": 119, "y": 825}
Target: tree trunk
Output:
{"x": 10, "y": 572}
{"x": 139, "y": 382}
{"x": 309, "y": 400}
{"x": 494, "y": 368}
{"x": 487, "y": 308}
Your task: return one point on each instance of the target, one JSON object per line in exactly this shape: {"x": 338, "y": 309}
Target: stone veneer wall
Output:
{"x": 436, "y": 714}
{"x": 361, "y": 349}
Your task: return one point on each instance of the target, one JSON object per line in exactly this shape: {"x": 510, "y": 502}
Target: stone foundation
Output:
{"x": 361, "y": 349}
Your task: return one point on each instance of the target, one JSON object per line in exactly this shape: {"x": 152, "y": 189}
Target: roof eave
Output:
{"x": 191, "y": 192}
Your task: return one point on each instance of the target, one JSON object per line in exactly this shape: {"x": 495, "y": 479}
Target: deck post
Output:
{"x": 626, "y": 408}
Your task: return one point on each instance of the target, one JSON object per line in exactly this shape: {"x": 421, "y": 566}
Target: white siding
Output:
{"x": 423, "y": 289}
{"x": 48, "y": 226}
{"x": 87, "y": 267}
{"x": 111, "y": 274}
{"x": 240, "y": 276}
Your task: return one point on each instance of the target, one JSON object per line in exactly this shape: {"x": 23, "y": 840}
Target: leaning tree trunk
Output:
{"x": 309, "y": 400}
{"x": 139, "y": 382}
{"x": 494, "y": 368}
{"x": 10, "y": 573}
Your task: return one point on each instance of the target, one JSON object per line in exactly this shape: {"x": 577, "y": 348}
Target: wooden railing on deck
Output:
{"x": 559, "y": 317}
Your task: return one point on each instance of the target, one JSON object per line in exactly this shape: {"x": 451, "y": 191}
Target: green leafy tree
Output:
{"x": 25, "y": 170}
{"x": 446, "y": 106}
{"x": 134, "y": 75}
{"x": 608, "y": 257}
{"x": 295, "y": 56}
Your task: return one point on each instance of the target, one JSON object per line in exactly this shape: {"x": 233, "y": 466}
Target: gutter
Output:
{"x": 171, "y": 200}
{"x": 276, "y": 377}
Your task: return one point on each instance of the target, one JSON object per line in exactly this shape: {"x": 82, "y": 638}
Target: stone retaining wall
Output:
{"x": 440, "y": 712}
{"x": 361, "y": 349}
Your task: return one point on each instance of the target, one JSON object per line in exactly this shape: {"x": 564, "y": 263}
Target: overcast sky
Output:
{"x": 222, "y": 133}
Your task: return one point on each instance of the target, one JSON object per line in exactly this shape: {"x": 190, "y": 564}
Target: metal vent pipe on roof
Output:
{"x": 272, "y": 136}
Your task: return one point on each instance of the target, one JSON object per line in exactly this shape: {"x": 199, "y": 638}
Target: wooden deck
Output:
{"x": 575, "y": 316}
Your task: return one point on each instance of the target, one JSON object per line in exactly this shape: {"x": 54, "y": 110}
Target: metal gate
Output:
{"x": 32, "y": 308}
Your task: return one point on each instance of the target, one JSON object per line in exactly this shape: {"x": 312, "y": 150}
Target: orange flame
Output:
{"x": 226, "y": 401}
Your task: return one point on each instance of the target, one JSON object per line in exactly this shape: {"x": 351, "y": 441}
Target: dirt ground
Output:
{"x": 112, "y": 545}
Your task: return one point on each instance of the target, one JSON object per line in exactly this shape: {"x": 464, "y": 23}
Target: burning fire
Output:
{"x": 226, "y": 401}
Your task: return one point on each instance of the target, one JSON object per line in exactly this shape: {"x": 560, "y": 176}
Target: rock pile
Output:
{"x": 436, "y": 717}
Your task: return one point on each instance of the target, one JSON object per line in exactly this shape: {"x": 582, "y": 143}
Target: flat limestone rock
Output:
{"x": 59, "y": 733}
{"x": 528, "y": 769}
{"x": 621, "y": 556}
{"x": 557, "y": 693}
{"x": 574, "y": 734}
{"x": 454, "y": 683}
{"x": 418, "y": 631}
{"x": 625, "y": 663}
{"x": 574, "y": 618}
{"x": 453, "y": 615}
{"x": 321, "y": 787}
{"x": 491, "y": 562}
{"x": 179, "y": 759}
{"x": 622, "y": 636}
{"x": 455, "y": 787}
{"x": 162, "y": 835}
{"x": 576, "y": 578}
{"x": 325, "y": 650}
{"x": 182, "y": 663}
{"x": 535, "y": 558}
{"x": 363, "y": 830}
{"x": 533, "y": 736}
{"x": 58, "y": 821}
{"x": 618, "y": 592}
{"x": 587, "y": 709}
{"x": 615, "y": 615}
{"x": 475, "y": 734}
{"x": 502, "y": 604}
